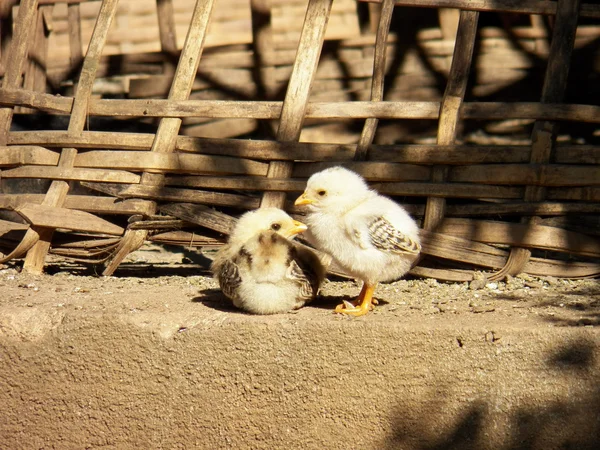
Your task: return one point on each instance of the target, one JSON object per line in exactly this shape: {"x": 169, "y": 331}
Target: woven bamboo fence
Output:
{"x": 163, "y": 121}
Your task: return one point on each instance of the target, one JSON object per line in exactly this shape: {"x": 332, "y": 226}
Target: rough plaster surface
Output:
{"x": 160, "y": 362}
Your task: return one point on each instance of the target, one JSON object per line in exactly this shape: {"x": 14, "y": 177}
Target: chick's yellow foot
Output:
{"x": 361, "y": 306}
{"x": 353, "y": 310}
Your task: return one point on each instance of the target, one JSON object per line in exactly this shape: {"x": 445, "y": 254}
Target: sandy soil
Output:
{"x": 181, "y": 277}
{"x": 155, "y": 357}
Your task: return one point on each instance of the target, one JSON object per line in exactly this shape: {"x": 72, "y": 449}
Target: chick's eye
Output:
{"x": 276, "y": 226}
{"x": 322, "y": 193}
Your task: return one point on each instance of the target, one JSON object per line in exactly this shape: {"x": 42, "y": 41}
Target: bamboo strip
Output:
{"x": 269, "y": 150}
{"x": 588, "y": 193}
{"x": 53, "y": 217}
{"x": 189, "y": 196}
{"x": 522, "y": 7}
{"x": 238, "y": 183}
{"x": 556, "y": 268}
{"x": 527, "y": 174}
{"x": 522, "y": 209}
{"x": 536, "y": 266}
{"x": 169, "y": 162}
{"x": 17, "y": 55}
{"x": 161, "y": 193}
{"x": 296, "y": 99}
{"x": 35, "y": 71}
{"x": 374, "y": 171}
{"x": 186, "y": 238}
{"x": 544, "y": 132}
{"x": 34, "y": 261}
{"x": 377, "y": 80}
{"x": 201, "y": 215}
{"x": 449, "y": 190}
{"x": 75, "y": 40}
{"x": 522, "y": 235}
{"x": 82, "y": 241}
{"x": 27, "y": 154}
{"x": 165, "y": 138}
{"x": 158, "y": 224}
{"x": 461, "y": 249}
{"x": 71, "y": 174}
{"x": 227, "y": 109}
{"x": 6, "y": 226}
{"x": 88, "y": 203}
{"x": 450, "y": 108}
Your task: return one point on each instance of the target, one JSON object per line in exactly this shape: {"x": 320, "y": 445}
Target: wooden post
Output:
{"x": 298, "y": 91}
{"x": 168, "y": 129}
{"x": 34, "y": 262}
{"x": 17, "y": 55}
{"x": 543, "y": 135}
{"x": 377, "y": 81}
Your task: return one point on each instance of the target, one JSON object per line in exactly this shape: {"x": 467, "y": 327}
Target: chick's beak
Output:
{"x": 299, "y": 227}
{"x": 303, "y": 200}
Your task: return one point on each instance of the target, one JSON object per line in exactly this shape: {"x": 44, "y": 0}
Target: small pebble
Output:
{"x": 475, "y": 285}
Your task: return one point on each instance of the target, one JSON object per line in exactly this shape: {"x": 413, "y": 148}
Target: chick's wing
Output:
{"x": 229, "y": 278}
{"x": 385, "y": 237}
{"x": 301, "y": 272}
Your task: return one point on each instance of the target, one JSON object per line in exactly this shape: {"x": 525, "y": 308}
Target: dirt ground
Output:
{"x": 155, "y": 357}
{"x": 182, "y": 276}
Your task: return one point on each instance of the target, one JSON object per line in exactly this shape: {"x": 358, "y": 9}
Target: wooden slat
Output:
{"x": 292, "y": 151}
{"x": 6, "y": 226}
{"x": 589, "y": 194}
{"x": 237, "y": 183}
{"x": 522, "y": 6}
{"x": 530, "y": 174}
{"x": 201, "y": 215}
{"x": 57, "y": 192}
{"x": 17, "y": 155}
{"x": 523, "y": 235}
{"x": 169, "y": 162}
{"x": 522, "y": 209}
{"x": 165, "y": 138}
{"x": 17, "y": 55}
{"x": 557, "y": 268}
{"x": 54, "y": 217}
{"x": 370, "y": 126}
{"x": 185, "y": 238}
{"x": 450, "y": 108}
{"x": 75, "y": 40}
{"x": 160, "y": 193}
{"x": 461, "y": 249}
{"x": 227, "y": 109}
{"x": 543, "y": 135}
{"x": 35, "y": 72}
{"x": 373, "y": 171}
{"x": 298, "y": 90}
{"x": 71, "y": 174}
{"x": 449, "y": 190}
{"x": 89, "y": 203}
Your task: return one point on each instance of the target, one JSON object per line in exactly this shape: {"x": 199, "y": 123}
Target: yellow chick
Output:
{"x": 262, "y": 270}
{"x": 372, "y": 237}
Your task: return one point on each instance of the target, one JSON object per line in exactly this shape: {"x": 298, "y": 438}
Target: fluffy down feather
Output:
{"x": 262, "y": 270}
{"x": 372, "y": 237}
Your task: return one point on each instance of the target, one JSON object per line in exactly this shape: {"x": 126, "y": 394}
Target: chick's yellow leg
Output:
{"x": 362, "y": 305}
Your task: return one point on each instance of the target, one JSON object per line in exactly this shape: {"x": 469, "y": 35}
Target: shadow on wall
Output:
{"x": 568, "y": 418}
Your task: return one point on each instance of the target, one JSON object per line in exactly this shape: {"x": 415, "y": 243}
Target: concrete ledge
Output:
{"x": 175, "y": 370}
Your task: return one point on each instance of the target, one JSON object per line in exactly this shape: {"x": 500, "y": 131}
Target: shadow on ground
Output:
{"x": 571, "y": 420}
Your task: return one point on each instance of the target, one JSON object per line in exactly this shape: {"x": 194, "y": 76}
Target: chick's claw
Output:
{"x": 354, "y": 308}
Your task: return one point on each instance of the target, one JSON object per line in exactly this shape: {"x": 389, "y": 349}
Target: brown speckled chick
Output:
{"x": 262, "y": 270}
